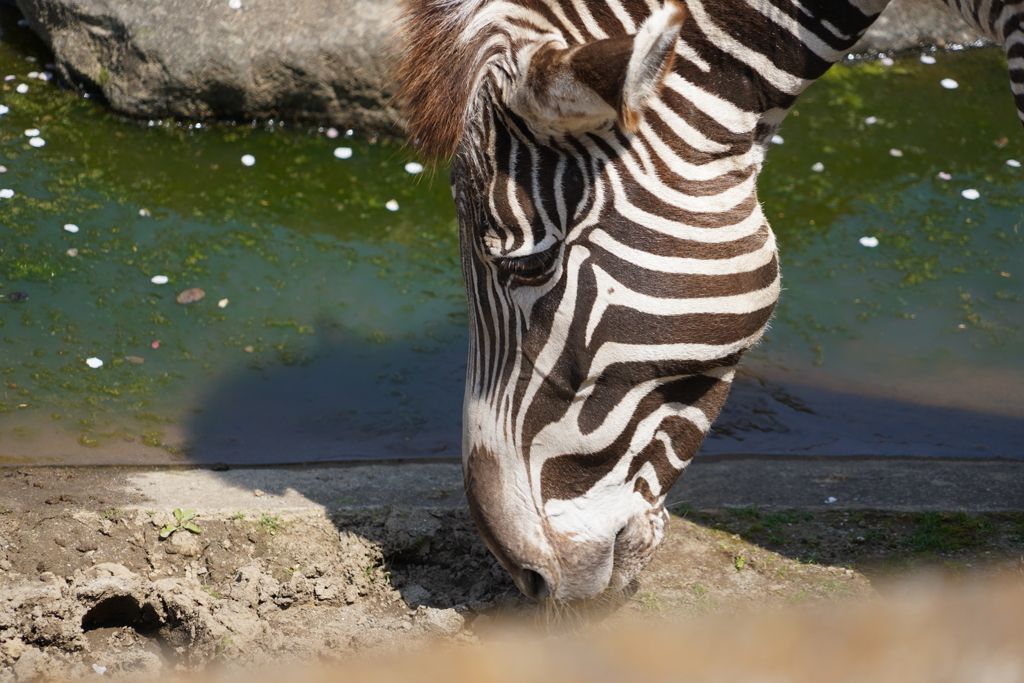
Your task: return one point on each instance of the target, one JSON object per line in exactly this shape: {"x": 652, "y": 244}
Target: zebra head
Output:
{"x": 616, "y": 264}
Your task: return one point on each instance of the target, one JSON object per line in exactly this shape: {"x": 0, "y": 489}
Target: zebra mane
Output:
{"x": 436, "y": 70}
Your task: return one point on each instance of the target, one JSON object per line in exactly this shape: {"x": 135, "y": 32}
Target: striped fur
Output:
{"x": 615, "y": 255}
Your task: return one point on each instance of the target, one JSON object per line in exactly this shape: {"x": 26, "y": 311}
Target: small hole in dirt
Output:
{"x": 121, "y": 610}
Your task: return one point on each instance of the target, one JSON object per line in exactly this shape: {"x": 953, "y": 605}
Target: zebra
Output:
{"x": 616, "y": 260}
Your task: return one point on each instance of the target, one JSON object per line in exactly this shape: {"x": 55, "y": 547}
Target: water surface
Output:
{"x": 343, "y": 333}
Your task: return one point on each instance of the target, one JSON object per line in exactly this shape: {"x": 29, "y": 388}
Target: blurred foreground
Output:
{"x": 930, "y": 631}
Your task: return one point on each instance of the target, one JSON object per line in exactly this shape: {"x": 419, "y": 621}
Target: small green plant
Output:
{"x": 270, "y": 523}
{"x": 182, "y": 520}
{"x": 648, "y": 602}
{"x": 740, "y": 562}
{"x": 213, "y": 592}
{"x": 238, "y": 515}
{"x": 699, "y": 590}
{"x": 113, "y": 513}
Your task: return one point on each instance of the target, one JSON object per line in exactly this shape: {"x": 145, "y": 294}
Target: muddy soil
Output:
{"x": 94, "y": 580}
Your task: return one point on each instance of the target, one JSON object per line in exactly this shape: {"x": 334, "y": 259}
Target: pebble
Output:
{"x": 99, "y": 669}
{"x": 413, "y": 168}
{"x": 332, "y": 133}
{"x": 777, "y": 140}
{"x": 190, "y": 296}
{"x": 970, "y": 194}
{"x": 391, "y": 205}
{"x": 222, "y": 303}
{"x": 72, "y": 252}
{"x": 871, "y": 120}
{"x": 895, "y": 153}
{"x": 32, "y": 132}
{"x": 927, "y": 59}
{"x": 258, "y": 493}
{"x": 37, "y": 142}
{"x": 249, "y": 349}
{"x": 818, "y": 167}
{"x": 9, "y": 77}
{"x": 22, "y": 88}
{"x": 343, "y": 152}
{"x": 830, "y": 500}
{"x": 868, "y": 241}
{"x": 886, "y": 61}
{"x": 6, "y": 193}
{"x": 70, "y": 227}
{"x": 949, "y": 84}
{"x": 945, "y": 176}
{"x": 159, "y": 279}
{"x": 235, "y": 4}
{"x": 33, "y": 74}
{"x": 248, "y": 160}
{"x": 94, "y": 363}
{"x": 1009, "y": 162}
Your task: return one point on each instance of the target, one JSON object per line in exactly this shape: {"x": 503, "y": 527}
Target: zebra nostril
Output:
{"x": 535, "y": 585}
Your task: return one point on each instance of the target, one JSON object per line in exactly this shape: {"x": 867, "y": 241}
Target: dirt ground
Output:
{"x": 94, "y": 582}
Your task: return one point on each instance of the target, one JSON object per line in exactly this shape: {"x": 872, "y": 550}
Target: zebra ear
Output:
{"x": 582, "y": 88}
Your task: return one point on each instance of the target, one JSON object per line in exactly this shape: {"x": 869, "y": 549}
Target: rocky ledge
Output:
{"x": 320, "y": 60}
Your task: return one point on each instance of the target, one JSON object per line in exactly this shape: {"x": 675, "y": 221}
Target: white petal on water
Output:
{"x": 32, "y": 132}
{"x": 33, "y": 74}
{"x": 343, "y": 152}
{"x": 22, "y": 88}
{"x": 777, "y": 140}
{"x": 6, "y": 193}
{"x": 144, "y": 213}
{"x": 159, "y": 279}
{"x": 895, "y": 153}
{"x": 70, "y": 227}
{"x": 1013, "y": 162}
{"x": 886, "y": 61}
{"x": 868, "y": 241}
{"x": 332, "y": 133}
{"x": 248, "y": 160}
{"x": 392, "y": 205}
{"x": 927, "y": 59}
{"x": 222, "y": 303}
{"x": 970, "y": 194}
{"x": 945, "y": 176}
{"x": 949, "y": 84}
{"x": 3, "y": 169}
{"x": 4, "y": 109}
{"x": 94, "y": 363}
{"x": 818, "y": 167}
{"x": 413, "y": 168}
{"x": 72, "y": 252}
{"x": 46, "y": 76}
{"x": 37, "y": 142}
{"x": 871, "y": 120}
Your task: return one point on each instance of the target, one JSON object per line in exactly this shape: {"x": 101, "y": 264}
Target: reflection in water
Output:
{"x": 334, "y": 327}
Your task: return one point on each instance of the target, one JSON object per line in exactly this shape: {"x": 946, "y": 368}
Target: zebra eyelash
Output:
{"x": 528, "y": 268}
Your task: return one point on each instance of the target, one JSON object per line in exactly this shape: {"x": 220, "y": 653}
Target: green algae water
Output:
{"x": 333, "y": 323}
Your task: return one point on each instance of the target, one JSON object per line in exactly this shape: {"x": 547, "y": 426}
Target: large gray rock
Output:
{"x": 296, "y": 59}
{"x": 907, "y": 24}
{"x": 325, "y": 60}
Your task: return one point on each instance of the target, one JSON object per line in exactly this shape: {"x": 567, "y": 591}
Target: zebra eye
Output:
{"x": 529, "y": 268}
